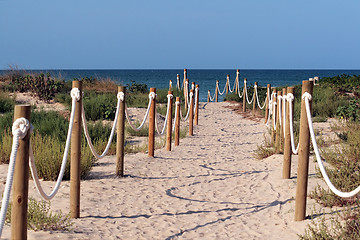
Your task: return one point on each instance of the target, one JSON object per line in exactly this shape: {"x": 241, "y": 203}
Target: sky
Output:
{"x": 171, "y": 34}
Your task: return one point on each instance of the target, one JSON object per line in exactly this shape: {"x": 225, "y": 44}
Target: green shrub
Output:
{"x": 41, "y": 218}
{"x": 43, "y": 86}
{"x": 99, "y": 106}
{"x": 6, "y": 103}
{"x": 135, "y": 87}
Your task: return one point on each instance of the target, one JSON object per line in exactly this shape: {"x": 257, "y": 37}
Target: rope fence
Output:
{"x": 23, "y": 153}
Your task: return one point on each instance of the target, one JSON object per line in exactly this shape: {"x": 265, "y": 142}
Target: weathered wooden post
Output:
{"x": 152, "y": 115}
{"x": 217, "y": 91}
{"x": 177, "y": 122}
{"x": 21, "y": 180}
{"x": 191, "y": 115}
{"x": 287, "y": 140}
{"x": 237, "y": 81}
{"x": 244, "y": 96}
{"x": 178, "y": 81}
{"x": 170, "y": 85}
{"x": 197, "y": 104}
{"x": 120, "y": 135}
{"x": 227, "y": 84}
{"x": 75, "y": 165}
{"x": 185, "y": 77}
{"x": 303, "y": 164}
{"x": 169, "y": 123}
{"x": 186, "y": 93}
{"x": 254, "y": 101}
{"x": 274, "y": 106}
{"x": 278, "y": 127}
{"x": 208, "y": 98}
{"x": 268, "y": 98}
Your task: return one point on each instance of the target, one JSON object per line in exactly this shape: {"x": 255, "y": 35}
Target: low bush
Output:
{"x": 41, "y": 218}
{"x": 6, "y": 103}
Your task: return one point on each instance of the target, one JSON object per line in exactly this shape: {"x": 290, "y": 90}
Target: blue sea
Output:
{"x": 205, "y": 78}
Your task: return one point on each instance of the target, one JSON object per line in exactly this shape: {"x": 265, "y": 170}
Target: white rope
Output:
{"x": 290, "y": 98}
{"x": 152, "y": 95}
{"x": 75, "y": 94}
{"x": 196, "y": 98}
{"x": 241, "y": 93}
{"x": 307, "y": 97}
{"x": 169, "y": 96}
{"x": 284, "y": 114}
{"x": 221, "y": 93}
{"x": 210, "y": 98}
{"x": 280, "y": 110}
{"x": 19, "y": 130}
{"x": 120, "y": 98}
{"x": 274, "y": 114}
{"x": 246, "y": 93}
{"x": 257, "y": 98}
{"x": 188, "y": 112}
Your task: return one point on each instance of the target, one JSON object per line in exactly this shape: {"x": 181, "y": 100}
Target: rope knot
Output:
{"x": 75, "y": 93}
{"x": 290, "y": 97}
{"x": 121, "y": 96}
{"x": 191, "y": 94}
{"x": 20, "y": 127}
{"x": 170, "y": 96}
{"x": 306, "y": 95}
{"x": 177, "y": 103}
{"x": 255, "y": 86}
{"x": 152, "y": 95}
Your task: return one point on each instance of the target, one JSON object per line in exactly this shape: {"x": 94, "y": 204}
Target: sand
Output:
{"x": 209, "y": 187}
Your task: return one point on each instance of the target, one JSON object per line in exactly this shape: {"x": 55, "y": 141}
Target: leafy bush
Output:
{"x": 41, "y": 218}
{"x": 99, "y": 106}
{"x": 135, "y": 87}
{"x": 6, "y": 103}
{"x": 43, "y": 86}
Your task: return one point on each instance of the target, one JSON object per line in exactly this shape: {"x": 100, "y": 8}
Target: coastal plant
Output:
{"x": 143, "y": 132}
{"x": 41, "y": 218}
{"x": 6, "y": 103}
{"x": 135, "y": 87}
{"x": 41, "y": 85}
{"x": 99, "y": 106}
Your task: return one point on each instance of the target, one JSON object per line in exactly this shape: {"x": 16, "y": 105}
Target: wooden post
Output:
{"x": 273, "y": 131}
{"x": 193, "y": 86}
{"x": 185, "y": 77}
{"x": 178, "y": 81}
{"x": 75, "y": 165}
{"x": 278, "y": 127}
{"x": 169, "y": 124}
{"x": 120, "y": 136}
{"x": 287, "y": 140}
{"x": 152, "y": 115}
{"x": 191, "y": 115}
{"x": 197, "y": 104}
{"x": 208, "y": 98}
{"x": 170, "y": 85}
{"x": 21, "y": 180}
{"x": 254, "y": 101}
{"x": 217, "y": 91}
{"x": 244, "y": 96}
{"x": 283, "y": 107}
{"x": 303, "y": 164}
{"x": 237, "y": 81}
{"x": 227, "y": 84}
{"x": 177, "y": 123}
{"x": 268, "y": 96}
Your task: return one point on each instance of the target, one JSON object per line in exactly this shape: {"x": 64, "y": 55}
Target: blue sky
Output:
{"x": 168, "y": 34}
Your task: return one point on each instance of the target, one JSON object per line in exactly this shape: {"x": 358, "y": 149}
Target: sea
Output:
{"x": 206, "y": 78}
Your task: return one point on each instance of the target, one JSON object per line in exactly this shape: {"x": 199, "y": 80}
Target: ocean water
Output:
{"x": 205, "y": 78}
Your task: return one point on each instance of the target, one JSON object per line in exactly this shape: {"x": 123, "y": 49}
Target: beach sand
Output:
{"x": 209, "y": 187}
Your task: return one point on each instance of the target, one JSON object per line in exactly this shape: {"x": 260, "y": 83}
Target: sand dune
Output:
{"x": 210, "y": 187}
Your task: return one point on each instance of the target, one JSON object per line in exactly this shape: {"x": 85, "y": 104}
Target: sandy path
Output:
{"x": 210, "y": 187}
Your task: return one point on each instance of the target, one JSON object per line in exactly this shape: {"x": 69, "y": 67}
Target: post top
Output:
{"x": 152, "y": 89}
{"x": 197, "y": 85}
{"x": 170, "y": 92}
{"x": 121, "y": 88}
